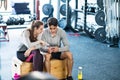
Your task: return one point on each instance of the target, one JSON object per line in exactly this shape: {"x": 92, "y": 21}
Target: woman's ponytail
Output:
{"x": 34, "y": 24}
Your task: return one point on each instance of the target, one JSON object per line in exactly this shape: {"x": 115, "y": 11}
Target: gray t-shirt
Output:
{"x": 26, "y": 40}
{"x": 59, "y": 39}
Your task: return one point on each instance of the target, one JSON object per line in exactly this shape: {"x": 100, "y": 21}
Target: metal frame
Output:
{"x": 5, "y": 34}
{"x": 76, "y": 13}
{"x": 68, "y": 17}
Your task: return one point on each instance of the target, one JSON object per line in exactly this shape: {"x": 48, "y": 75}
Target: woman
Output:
{"x": 31, "y": 38}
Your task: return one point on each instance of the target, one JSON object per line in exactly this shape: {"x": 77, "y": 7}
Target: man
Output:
{"x": 54, "y": 36}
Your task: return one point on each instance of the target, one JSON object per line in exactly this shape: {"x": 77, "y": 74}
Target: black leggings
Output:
{"x": 37, "y": 59}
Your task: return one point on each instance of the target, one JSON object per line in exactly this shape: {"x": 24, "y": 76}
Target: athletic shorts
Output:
{"x": 56, "y": 55}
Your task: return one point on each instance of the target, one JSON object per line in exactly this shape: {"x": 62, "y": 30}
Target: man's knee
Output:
{"x": 47, "y": 57}
{"x": 69, "y": 55}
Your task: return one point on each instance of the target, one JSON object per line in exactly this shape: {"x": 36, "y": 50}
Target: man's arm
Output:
{"x": 45, "y": 47}
{"x": 65, "y": 42}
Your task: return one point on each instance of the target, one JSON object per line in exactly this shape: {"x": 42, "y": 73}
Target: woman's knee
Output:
{"x": 37, "y": 55}
{"x": 35, "y": 51}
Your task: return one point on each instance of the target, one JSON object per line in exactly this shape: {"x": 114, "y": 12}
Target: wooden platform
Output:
{"x": 20, "y": 68}
{"x": 26, "y": 67}
{"x": 58, "y": 68}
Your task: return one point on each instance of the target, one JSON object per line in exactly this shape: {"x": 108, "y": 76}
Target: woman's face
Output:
{"x": 39, "y": 30}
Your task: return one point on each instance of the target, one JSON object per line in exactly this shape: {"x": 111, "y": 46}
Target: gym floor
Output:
{"x": 99, "y": 62}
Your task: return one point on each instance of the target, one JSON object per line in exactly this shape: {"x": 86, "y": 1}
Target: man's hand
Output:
{"x": 50, "y": 50}
{"x": 55, "y": 49}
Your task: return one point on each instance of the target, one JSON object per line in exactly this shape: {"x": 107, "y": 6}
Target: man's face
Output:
{"x": 53, "y": 29}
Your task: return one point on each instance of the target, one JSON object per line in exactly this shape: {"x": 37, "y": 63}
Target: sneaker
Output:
{"x": 112, "y": 45}
{"x": 69, "y": 78}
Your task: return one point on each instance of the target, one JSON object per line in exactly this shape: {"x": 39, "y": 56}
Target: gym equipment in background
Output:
{"x": 15, "y": 21}
{"x": 21, "y": 8}
{"x": 47, "y": 9}
{"x": 100, "y": 18}
{"x": 44, "y": 19}
{"x": 112, "y": 12}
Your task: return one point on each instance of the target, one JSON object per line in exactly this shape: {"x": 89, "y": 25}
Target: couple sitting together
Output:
{"x": 51, "y": 43}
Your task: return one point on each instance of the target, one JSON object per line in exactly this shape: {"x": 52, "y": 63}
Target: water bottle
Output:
{"x": 80, "y": 73}
{"x": 16, "y": 76}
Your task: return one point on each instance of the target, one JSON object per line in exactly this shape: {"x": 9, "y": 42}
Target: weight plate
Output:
{"x": 100, "y": 18}
{"x": 47, "y": 9}
{"x": 100, "y": 34}
{"x": 62, "y": 23}
{"x": 63, "y": 10}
